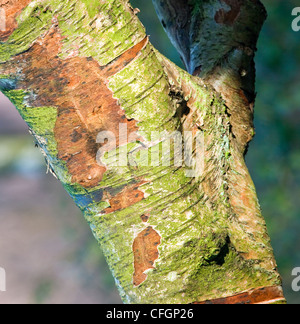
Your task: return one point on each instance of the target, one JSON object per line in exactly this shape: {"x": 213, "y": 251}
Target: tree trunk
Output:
{"x": 153, "y": 156}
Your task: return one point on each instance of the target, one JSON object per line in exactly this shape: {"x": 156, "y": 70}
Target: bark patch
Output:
{"x": 145, "y": 250}
{"x": 11, "y": 9}
{"x": 129, "y": 196}
{"x": 263, "y": 295}
{"x": 77, "y": 87}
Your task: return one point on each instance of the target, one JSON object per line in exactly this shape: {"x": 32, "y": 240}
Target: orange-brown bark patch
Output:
{"x": 127, "y": 197}
{"x": 77, "y": 86}
{"x": 11, "y": 10}
{"x": 120, "y": 62}
{"x": 263, "y": 295}
{"x": 145, "y": 250}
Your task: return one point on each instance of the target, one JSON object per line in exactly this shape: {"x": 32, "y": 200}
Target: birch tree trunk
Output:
{"x": 153, "y": 156}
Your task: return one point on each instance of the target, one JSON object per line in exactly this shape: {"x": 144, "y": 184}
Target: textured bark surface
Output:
{"x": 217, "y": 41}
{"x": 177, "y": 229}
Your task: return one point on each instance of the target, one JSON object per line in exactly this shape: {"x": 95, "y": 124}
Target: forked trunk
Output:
{"x": 152, "y": 155}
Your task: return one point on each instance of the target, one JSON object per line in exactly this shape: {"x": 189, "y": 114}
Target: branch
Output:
{"x": 217, "y": 42}
{"x": 114, "y": 117}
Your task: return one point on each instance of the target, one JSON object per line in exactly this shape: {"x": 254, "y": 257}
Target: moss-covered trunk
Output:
{"x": 153, "y": 156}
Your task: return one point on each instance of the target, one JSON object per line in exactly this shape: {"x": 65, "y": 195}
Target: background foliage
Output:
{"x": 46, "y": 248}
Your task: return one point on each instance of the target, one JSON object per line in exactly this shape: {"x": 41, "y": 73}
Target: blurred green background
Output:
{"x": 46, "y": 247}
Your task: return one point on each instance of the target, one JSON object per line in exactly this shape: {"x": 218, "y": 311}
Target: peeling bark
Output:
{"x": 145, "y": 251}
{"x": 174, "y": 227}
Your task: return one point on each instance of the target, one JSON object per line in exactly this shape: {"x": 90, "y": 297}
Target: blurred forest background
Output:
{"x": 46, "y": 247}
